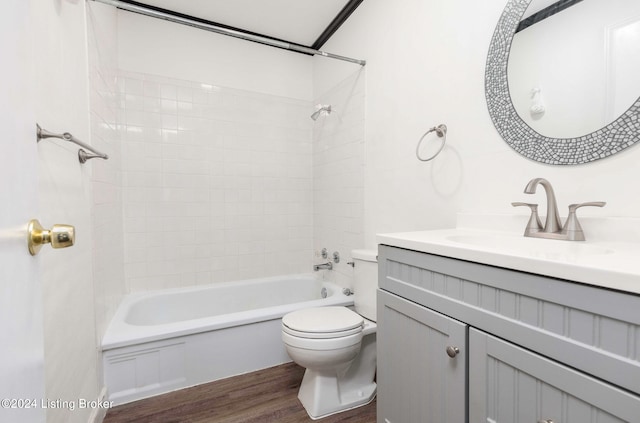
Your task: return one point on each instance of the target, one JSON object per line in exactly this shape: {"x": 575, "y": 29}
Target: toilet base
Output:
{"x": 330, "y": 391}
{"x": 321, "y": 395}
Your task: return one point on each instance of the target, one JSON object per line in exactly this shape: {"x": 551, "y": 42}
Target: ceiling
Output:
{"x": 297, "y": 21}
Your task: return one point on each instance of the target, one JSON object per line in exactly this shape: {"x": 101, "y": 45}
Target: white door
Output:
{"x": 21, "y": 333}
{"x": 623, "y": 66}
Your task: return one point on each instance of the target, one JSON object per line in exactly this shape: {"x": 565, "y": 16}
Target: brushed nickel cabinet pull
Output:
{"x": 453, "y": 351}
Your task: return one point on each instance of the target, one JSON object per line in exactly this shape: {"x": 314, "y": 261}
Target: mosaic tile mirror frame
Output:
{"x": 618, "y": 135}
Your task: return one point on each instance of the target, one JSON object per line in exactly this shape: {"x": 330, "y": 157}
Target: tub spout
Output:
{"x": 328, "y": 265}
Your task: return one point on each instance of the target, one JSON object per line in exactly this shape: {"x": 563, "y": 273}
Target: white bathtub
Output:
{"x": 166, "y": 340}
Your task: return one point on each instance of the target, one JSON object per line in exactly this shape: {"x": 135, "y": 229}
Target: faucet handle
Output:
{"x": 534, "y": 224}
{"x": 572, "y": 228}
{"x": 518, "y": 204}
{"x": 573, "y": 207}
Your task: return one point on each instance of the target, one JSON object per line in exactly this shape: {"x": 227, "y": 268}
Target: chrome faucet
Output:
{"x": 553, "y": 229}
{"x": 328, "y": 265}
{"x": 552, "y": 224}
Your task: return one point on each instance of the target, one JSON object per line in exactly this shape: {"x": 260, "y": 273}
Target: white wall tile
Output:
{"x": 338, "y": 175}
{"x": 221, "y": 184}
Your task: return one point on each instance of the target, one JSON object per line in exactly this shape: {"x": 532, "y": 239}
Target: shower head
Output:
{"x": 320, "y": 109}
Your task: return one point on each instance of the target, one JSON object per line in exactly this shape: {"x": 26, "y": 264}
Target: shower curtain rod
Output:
{"x": 208, "y": 26}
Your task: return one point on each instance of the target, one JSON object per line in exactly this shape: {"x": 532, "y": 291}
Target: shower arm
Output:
{"x": 170, "y": 16}
{"x": 321, "y": 109}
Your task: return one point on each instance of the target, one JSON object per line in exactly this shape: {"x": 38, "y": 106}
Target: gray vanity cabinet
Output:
{"x": 531, "y": 348}
{"x": 422, "y": 383}
{"x": 510, "y": 384}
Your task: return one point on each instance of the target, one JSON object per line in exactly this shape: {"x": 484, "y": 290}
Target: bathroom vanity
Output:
{"x": 514, "y": 340}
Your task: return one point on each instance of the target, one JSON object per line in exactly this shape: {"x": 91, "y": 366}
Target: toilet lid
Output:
{"x": 321, "y": 320}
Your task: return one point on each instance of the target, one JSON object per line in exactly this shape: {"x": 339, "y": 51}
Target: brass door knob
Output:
{"x": 59, "y": 236}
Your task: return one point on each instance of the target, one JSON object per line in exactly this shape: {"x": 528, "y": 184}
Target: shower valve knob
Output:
{"x": 59, "y": 236}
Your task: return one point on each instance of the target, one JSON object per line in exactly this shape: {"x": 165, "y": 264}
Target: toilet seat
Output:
{"x": 322, "y": 344}
{"x": 322, "y": 323}
{"x": 321, "y": 335}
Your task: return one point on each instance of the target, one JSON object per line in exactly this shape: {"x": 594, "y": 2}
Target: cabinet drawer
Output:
{"x": 510, "y": 384}
{"x": 592, "y": 329}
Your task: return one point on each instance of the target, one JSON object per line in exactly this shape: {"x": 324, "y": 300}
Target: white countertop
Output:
{"x": 611, "y": 264}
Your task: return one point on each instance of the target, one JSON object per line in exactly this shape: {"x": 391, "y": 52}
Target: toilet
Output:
{"x": 337, "y": 346}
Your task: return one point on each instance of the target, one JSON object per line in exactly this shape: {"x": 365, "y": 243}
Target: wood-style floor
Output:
{"x": 265, "y": 396}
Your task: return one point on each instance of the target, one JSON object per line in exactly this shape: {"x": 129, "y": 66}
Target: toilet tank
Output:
{"x": 365, "y": 282}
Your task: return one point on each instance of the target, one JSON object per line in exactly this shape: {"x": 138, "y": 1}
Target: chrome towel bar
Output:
{"x": 83, "y": 156}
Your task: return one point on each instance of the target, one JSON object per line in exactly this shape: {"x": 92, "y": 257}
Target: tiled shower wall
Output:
{"x": 338, "y": 175}
{"x": 106, "y": 175}
{"x": 217, "y": 183}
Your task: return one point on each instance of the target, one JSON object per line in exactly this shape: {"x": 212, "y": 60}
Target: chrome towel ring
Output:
{"x": 441, "y": 132}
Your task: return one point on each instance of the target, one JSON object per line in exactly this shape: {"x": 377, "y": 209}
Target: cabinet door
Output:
{"x": 418, "y": 382}
{"x": 509, "y": 384}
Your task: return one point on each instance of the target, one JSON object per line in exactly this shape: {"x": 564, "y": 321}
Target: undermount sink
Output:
{"x": 532, "y": 247}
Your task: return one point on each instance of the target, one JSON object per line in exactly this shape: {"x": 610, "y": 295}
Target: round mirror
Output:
{"x": 561, "y": 78}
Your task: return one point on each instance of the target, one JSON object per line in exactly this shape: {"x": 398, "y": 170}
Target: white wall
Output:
{"x": 152, "y": 46}
{"x": 425, "y": 66}
{"x": 61, "y": 94}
